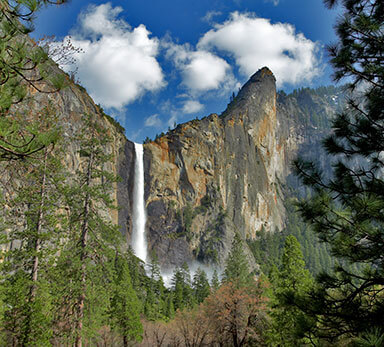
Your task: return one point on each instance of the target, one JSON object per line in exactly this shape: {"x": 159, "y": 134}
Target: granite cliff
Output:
{"x": 211, "y": 178}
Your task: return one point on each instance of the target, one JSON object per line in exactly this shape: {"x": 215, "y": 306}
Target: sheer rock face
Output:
{"x": 70, "y": 106}
{"x": 220, "y": 175}
{"x": 207, "y": 179}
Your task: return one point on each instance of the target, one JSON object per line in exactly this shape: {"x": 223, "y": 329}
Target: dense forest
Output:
{"x": 67, "y": 279}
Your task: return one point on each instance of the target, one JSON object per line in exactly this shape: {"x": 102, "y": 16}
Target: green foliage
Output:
{"x": 346, "y": 210}
{"x": 158, "y": 136}
{"x": 291, "y": 279}
{"x": 112, "y": 120}
{"x": 125, "y": 306}
{"x": 157, "y": 304}
{"x": 371, "y": 338}
{"x": 31, "y": 242}
{"x": 27, "y": 321}
{"x": 147, "y": 140}
{"x": 268, "y": 247}
{"x": 205, "y": 204}
{"x": 20, "y": 137}
{"x": 88, "y": 255}
{"x": 182, "y": 288}
{"x": 236, "y": 265}
{"x": 23, "y": 64}
{"x": 188, "y": 215}
{"x": 215, "y": 282}
{"x": 310, "y": 105}
{"x": 200, "y": 285}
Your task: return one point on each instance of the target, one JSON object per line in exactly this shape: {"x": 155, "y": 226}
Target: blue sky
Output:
{"x": 154, "y": 63}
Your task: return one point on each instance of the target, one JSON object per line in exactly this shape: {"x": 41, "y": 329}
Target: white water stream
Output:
{"x": 139, "y": 242}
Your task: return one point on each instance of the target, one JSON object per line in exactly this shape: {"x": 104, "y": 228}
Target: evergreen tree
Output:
{"x": 201, "y": 285}
{"x": 125, "y": 306}
{"x": 236, "y": 265}
{"x": 23, "y": 65}
{"x": 32, "y": 241}
{"x": 346, "y": 211}
{"x": 177, "y": 286}
{"x": 170, "y": 308}
{"x": 155, "y": 306}
{"x": 291, "y": 278}
{"x": 215, "y": 282}
{"x": 87, "y": 256}
{"x": 182, "y": 290}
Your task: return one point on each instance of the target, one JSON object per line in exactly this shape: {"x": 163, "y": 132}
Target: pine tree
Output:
{"x": 200, "y": 285}
{"x": 87, "y": 256}
{"x": 125, "y": 306}
{"x": 170, "y": 308}
{"x": 215, "y": 282}
{"x": 33, "y": 232}
{"x": 178, "y": 286}
{"x": 346, "y": 210}
{"x": 155, "y": 306}
{"x": 291, "y": 278}
{"x": 23, "y": 65}
{"x": 236, "y": 265}
{"x": 182, "y": 290}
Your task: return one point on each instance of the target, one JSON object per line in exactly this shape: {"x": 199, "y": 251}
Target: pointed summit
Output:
{"x": 256, "y": 97}
{"x": 262, "y": 79}
{"x": 264, "y": 72}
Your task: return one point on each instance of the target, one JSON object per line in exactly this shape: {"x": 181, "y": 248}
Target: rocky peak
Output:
{"x": 256, "y": 98}
{"x": 261, "y": 81}
{"x": 210, "y": 179}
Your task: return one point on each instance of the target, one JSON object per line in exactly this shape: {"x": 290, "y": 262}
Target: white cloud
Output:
{"x": 200, "y": 70}
{"x": 256, "y": 42}
{"x": 119, "y": 63}
{"x": 173, "y": 119}
{"x": 192, "y": 106}
{"x": 275, "y": 2}
{"x": 153, "y": 121}
{"x": 210, "y": 15}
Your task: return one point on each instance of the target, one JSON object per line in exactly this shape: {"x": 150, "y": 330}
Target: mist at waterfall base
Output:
{"x": 167, "y": 275}
{"x": 139, "y": 217}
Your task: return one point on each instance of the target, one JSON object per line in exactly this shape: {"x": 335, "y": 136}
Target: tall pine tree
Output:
{"x": 346, "y": 210}
{"x": 200, "y": 285}
{"x": 236, "y": 265}
{"x": 291, "y": 278}
{"x": 125, "y": 306}
{"x": 33, "y": 232}
{"x": 87, "y": 257}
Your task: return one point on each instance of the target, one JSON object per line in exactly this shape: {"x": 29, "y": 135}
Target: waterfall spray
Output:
{"x": 139, "y": 242}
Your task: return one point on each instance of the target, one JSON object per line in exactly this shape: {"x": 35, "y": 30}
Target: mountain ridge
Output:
{"x": 208, "y": 179}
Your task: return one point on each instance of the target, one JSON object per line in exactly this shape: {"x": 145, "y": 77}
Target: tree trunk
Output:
{"x": 83, "y": 255}
{"x": 36, "y": 248}
{"x": 37, "y": 245}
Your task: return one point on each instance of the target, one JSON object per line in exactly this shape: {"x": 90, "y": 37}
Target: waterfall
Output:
{"x": 139, "y": 243}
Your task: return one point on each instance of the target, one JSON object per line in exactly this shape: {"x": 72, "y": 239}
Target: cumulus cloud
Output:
{"x": 201, "y": 70}
{"x": 153, "y": 121}
{"x": 255, "y": 42}
{"x": 192, "y": 106}
{"x": 118, "y": 63}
